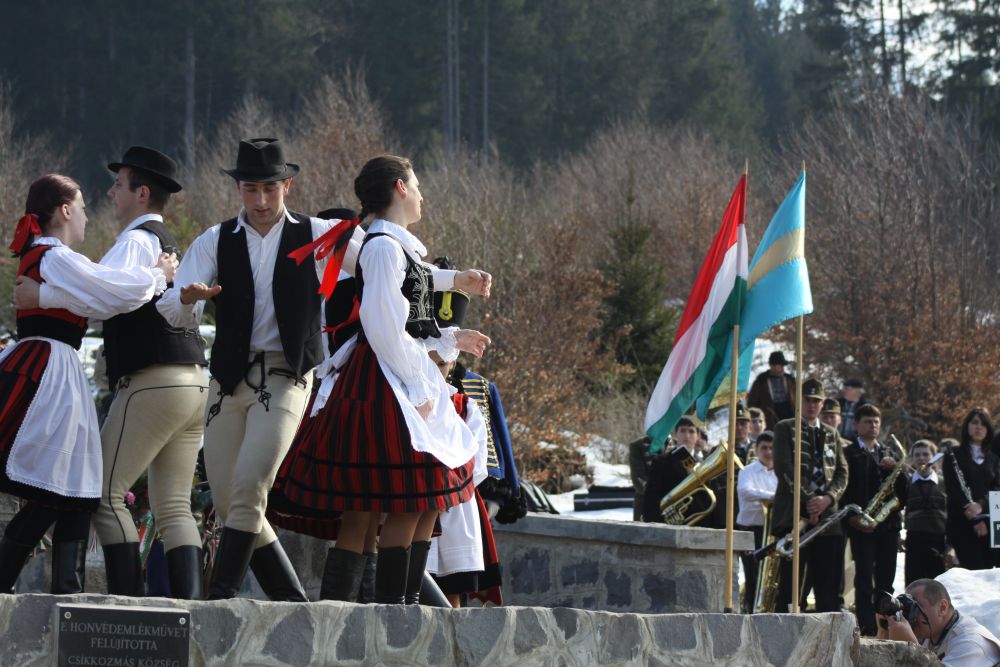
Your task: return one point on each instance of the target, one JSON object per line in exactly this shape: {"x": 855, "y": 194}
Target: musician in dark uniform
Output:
{"x": 824, "y": 478}
{"x": 669, "y": 469}
{"x": 869, "y": 463}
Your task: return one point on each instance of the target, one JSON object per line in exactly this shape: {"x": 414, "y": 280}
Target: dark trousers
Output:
{"x": 827, "y": 567}
{"x": 874, "y": 569}
{"x": 924, "y": 556}
{"x": 30, "y": 524}
{"x": 638, "y": 466}
{"x": 750, "y": 567}
{"x": 974, "y": 553}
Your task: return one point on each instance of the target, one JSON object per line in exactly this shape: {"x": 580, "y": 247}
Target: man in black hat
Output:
{"x": 158, "y": 375}
{"x": 774, "y": 391}
{"x": 852, "y": 397}
{"x": 824, "y": 478}
{"x": 267, "y": 342}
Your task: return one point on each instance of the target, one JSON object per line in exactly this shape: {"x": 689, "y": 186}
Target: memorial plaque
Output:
{"x": 92, "y": 635}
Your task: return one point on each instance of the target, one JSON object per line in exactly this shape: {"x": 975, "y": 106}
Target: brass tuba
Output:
{"x": 675, "y": 505}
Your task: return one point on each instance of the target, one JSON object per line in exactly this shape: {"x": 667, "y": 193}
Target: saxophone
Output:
{"x": 766, "y": 599}
{"x": 884, "y": 502}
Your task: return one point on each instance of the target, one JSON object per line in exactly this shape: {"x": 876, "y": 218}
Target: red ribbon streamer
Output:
{"x": 351, "y": 319}
{"x": 27, "y": 227}
{"x": 332, "y": 243}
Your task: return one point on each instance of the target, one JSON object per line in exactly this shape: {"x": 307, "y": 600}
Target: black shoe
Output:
{"x": 342, "y": 575}
{"x": 276, "y": 575}
{"x": 184, "y": 573}
{"x": 13, "y": 556}
{"x": 415, "y": 570}
{"x": 231, "y": 562}
{"x": 390, "y": 575}
{"x": 69, "y": 567}
{"x": 366, "y": 594}
{"x": 124, "y": 569}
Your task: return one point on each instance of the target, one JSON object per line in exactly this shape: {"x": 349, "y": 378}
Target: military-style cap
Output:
{"x": 813, "y": 388}
{"x": 742, "y": 414}
{"x": 831, "y": 406}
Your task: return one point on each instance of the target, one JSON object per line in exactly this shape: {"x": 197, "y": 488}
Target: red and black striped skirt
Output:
{"x": 356, "y": 455}
{"x": 20, "y": 374}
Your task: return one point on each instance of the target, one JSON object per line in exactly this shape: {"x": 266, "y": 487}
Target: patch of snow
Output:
{"x": 975, "y": 593}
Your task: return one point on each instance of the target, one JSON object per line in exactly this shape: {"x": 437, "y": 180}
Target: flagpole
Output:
{"x": 731, "y": 470}
{"x": 731, "y": 452}
{"x": 797, "y": 489}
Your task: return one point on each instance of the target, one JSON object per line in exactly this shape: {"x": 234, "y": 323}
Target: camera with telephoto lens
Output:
{"x": 903, "y": 607}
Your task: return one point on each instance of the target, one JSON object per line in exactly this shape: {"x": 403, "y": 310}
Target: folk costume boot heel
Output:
{"x": 342, "y": 575}
{"x": 415, "y": 570}
{"x": 276, "y": 575}
{"x": 231, "y": 562}
{"x": 69, "y": 567}
{"x": 124, "y": 569}
{"x": 184, "y": 572}
{"x": 390, "y": 575}
{"x": 366, "y": 594}
{"x": 13, "y": 556}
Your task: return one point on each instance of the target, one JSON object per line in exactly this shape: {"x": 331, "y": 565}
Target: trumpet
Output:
{"x": 675, "y": 505}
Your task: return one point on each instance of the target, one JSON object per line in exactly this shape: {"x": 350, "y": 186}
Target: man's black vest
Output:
{"x": 296, "y": 304}
{"x": 142, "y": 338}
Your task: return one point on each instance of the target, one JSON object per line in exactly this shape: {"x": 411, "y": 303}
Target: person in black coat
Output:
{"x": 980, "y": 466}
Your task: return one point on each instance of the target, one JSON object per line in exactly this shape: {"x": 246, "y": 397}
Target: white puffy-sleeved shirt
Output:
{"x": 402, "y": 358}
{"x": 58, "y": 447}
{"x": 200, "y": 265}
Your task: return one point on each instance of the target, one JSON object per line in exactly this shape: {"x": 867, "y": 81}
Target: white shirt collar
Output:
{"x": 410, "y": 243}
{"x": 930, "y": 478}
{"x": 46, "y": 240}
{"x": 141, "y": 219}
{"x": 241, "y": 221}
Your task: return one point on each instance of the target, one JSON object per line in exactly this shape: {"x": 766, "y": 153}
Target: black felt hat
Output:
{"x": 777, "y": 358}
{"x": 261, "y": 160}
{"x": 153, "y": 163}
{"x": 337, "y": 214}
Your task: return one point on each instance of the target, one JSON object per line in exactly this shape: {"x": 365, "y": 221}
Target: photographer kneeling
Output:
{"x": 924, "y": 615}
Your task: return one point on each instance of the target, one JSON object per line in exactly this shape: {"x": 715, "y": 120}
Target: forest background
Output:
{"x": 583, "y": 151}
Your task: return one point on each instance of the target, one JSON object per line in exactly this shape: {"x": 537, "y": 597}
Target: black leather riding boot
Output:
{"x": 276, "y": 575}
{"x": 231, "y": 562}
{"x": 342, "y": 575}
{"x": 124, "y": 569}
{"x": 69, "y": 567}
{"x": 390, "y": 575}
{"x": 366, "y": 594}
{"x": 13, "y": 556}
{"x": 184, "y": 572}
{"x": 415, "y": 570}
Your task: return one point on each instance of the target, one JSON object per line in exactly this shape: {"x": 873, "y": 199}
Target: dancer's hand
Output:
{"x": 167, "y": 262}
{"x": 198, "y": 292}
{"x": 475, "y": 282}
{"x": 25, "y": 293}
{"x": 473, "y": 342}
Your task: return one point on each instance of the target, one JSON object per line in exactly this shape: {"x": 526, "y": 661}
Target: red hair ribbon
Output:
{"x": 333, "y": 243}
{"x": 27, "y": 227}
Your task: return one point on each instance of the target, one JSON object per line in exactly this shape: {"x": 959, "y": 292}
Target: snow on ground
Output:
{"x": 976, "y": 593}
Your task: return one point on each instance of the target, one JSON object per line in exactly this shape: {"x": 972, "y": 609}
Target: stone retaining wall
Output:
{"x": 565, "y": 561}
{"x": 248, "y": 632}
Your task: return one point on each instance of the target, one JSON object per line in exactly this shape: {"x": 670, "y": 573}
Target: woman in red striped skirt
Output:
{"x": 50, "y": 448}
{"x": 388, "y": 439}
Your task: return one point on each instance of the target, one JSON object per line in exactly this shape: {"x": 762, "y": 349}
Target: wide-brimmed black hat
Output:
{"x": 337, "y": 214}
{"x": 261, "y": 160}
{"x": 153, "y": 163}
{"x": 777, "y": 358}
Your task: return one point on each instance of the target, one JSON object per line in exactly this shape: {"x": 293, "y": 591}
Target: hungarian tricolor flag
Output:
{"x": 705, "y": 331}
